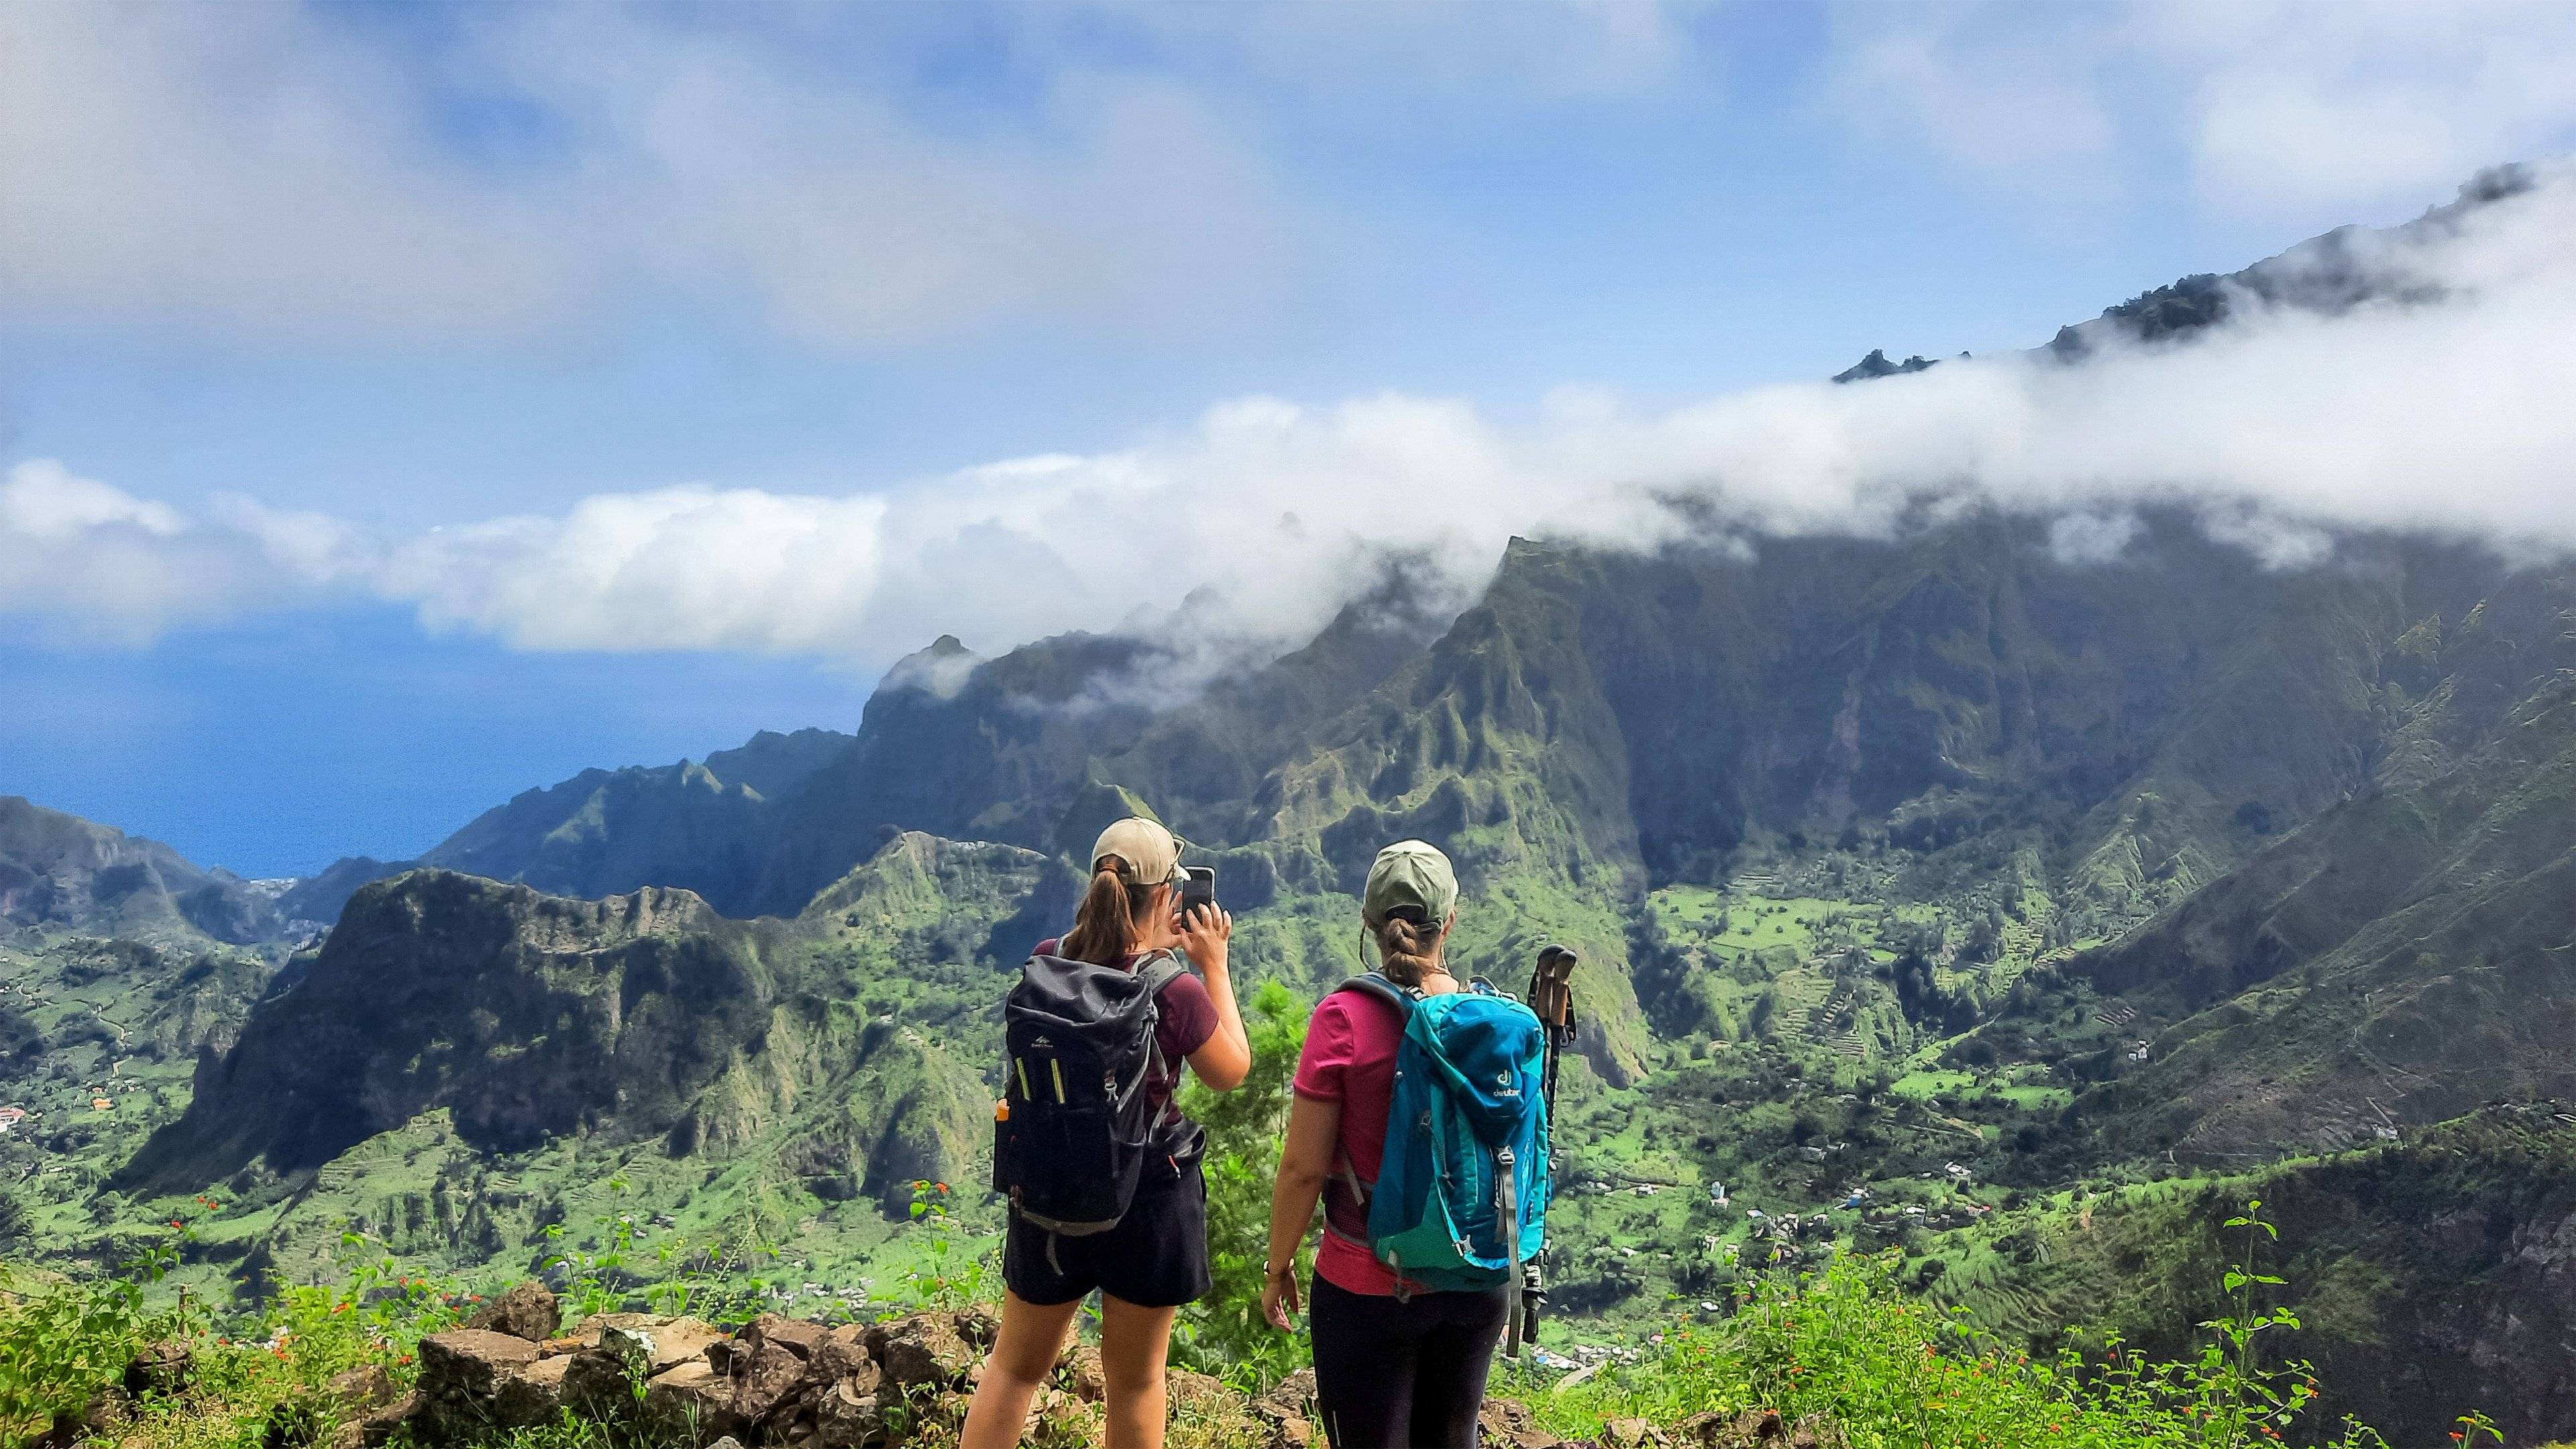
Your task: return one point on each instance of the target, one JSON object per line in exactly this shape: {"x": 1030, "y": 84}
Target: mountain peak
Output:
{"x": 60, "y": 871}
{"x": 1877, "y": 365}
{"x": 939, "y": 671}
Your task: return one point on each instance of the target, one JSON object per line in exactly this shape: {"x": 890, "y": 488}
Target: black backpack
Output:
{"x": 1076, "y": 1132}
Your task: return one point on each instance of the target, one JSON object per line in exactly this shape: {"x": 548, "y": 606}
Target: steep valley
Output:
{"x": 2009, "y": 908}
{"x": 1982, "y": 885}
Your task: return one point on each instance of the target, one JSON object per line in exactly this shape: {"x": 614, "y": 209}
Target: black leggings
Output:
{"x": 1409, "y": 1375}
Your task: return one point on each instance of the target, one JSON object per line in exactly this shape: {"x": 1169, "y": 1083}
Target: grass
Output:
{"x": 63, "y": 1343}
{"x": 1895, "y": 1372}
{"x": 1845, "y": 1345}
{"x": 1737, "y": 922}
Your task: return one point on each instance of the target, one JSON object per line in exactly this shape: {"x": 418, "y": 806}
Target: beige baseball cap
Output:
{"x": 1147, "y": 854}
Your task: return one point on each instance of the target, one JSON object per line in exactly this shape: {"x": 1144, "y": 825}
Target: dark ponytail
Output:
{"x": 1407, "y": 951}
{"x": 1110, "y": 920}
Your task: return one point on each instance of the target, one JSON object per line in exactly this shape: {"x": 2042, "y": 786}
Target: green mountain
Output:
{"x": 61, "y": 873}
{"x": 699, "y": 825}
{"x": 2404, "y": 957}
{"x": 120, "y": 962}
{"x": 1917, "y": 879}
{"x": 471, "y": 1043}
{"x": 527, "y": 1017}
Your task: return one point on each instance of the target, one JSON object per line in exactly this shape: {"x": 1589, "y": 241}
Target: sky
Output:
{"x": 405, "y": 405}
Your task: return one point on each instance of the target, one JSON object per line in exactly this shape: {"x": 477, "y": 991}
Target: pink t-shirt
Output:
{"x": 1350, "y": 1059}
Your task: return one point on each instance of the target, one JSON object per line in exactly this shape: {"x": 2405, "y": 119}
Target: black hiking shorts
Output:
{"x": 1157, "y": 1256}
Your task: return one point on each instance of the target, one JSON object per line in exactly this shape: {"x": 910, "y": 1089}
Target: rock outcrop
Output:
{"x": 528, "y": 1018}
{"x": 528, "y": 1311}
{"x": 775, "y": 1380}
{"x": 901, "y": 1384}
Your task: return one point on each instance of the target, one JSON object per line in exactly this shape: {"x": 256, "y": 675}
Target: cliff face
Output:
{"x": 2433, "y": 1277}
{"x": 527, "y": 1018}
{"x": 59, "y": 872}
{"x": 2403, "y": 957}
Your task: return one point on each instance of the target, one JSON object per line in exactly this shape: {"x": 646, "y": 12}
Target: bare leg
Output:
{"x": 1023, "y": 1355}
{"x": 1133, "y": 1343}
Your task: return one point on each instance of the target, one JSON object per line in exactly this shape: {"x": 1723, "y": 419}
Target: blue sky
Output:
{"x": 407, "y": 405}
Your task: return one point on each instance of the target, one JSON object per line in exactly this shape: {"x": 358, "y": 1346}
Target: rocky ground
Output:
{"x": 776, "y": 1381}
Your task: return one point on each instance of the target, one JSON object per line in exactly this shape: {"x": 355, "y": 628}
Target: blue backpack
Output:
{"x": 1460, "y": 1201}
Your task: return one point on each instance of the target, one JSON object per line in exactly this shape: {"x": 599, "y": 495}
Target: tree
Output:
{"x": 1226, "y": 1333}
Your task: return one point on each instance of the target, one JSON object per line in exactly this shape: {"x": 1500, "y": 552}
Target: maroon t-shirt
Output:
{"x": 1188, "y": 1019}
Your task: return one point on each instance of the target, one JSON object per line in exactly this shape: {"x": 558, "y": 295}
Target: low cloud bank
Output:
{"x": 94, "y": 563}
{"x": 2437, "y": 402}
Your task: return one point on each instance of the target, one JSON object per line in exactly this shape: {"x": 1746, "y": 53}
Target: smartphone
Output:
{"x": 1198, "y": 888}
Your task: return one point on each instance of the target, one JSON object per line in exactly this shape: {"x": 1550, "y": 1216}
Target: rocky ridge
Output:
{"x": 529, "y": 1018}
{"x": 59, "y": 872}
{"x": 897, "y": 1384}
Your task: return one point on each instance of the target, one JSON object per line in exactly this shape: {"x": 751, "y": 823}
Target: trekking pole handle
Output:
{"x": 1551, "y": 990}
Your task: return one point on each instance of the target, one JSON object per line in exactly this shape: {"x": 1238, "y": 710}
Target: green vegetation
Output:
{"x": 1226, "y": 1334}
{"x": 218, "y": 1381}
{"x": 1933, "y": 899}
{"x": 1846, "y": 1346}
{"x": 1849, "y": 1347}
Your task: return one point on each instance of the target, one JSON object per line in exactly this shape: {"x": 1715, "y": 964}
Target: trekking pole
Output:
{"x": 1551, "y": 1000}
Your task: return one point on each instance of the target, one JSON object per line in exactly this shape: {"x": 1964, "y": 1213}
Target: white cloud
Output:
{"x": 264, "y": 167}
{"x": 106, "y": 565}
{"x": 2276, "y": 105}
{"x": 2299, "y": 103}
{"x": 1247, "y": 529}
{"x": 268, "y": 169}
{"x": 2092, "y": 537}
{"x": 2019, "y": 102}
{"x": 43, "y": 504}
{"x": 244, "y": 166}
{"x": 678, "y": 568}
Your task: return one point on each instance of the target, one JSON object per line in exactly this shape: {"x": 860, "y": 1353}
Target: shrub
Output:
{"x": 1224, "y": 1332}
{"x": 62, "y": 1343}
{"x": 1892, "y": 1370}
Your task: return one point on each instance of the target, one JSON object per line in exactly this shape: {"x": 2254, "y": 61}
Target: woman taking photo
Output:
{"x": 1155, "y": 1257}
{"x": 1389, "y": 1369}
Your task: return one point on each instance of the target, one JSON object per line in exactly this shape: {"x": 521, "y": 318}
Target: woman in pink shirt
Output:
{"x": 1390, "y": 1368}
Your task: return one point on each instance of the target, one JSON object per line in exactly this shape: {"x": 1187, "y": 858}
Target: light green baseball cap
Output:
{"x": 1409, "y": 873}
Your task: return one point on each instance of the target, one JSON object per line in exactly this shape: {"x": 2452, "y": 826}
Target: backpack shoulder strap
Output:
{"x": 1375, "y": 983}
{"x": 1162, "y": 969}
{"x": 1156, "y": 971}
{"x": 1403, "y": 999}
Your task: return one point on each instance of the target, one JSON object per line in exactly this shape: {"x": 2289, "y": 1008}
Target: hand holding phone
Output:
{"x": 1204, "y": 925}
{"x": 1198, "y": 888}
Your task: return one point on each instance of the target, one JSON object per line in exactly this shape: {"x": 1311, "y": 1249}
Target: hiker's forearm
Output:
{"x": 1229, "y": 1012}
{"x": 1225, "y": 1059}
{"x": 1305, "y": 1162}
{"x": 1292, "y": 1210}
